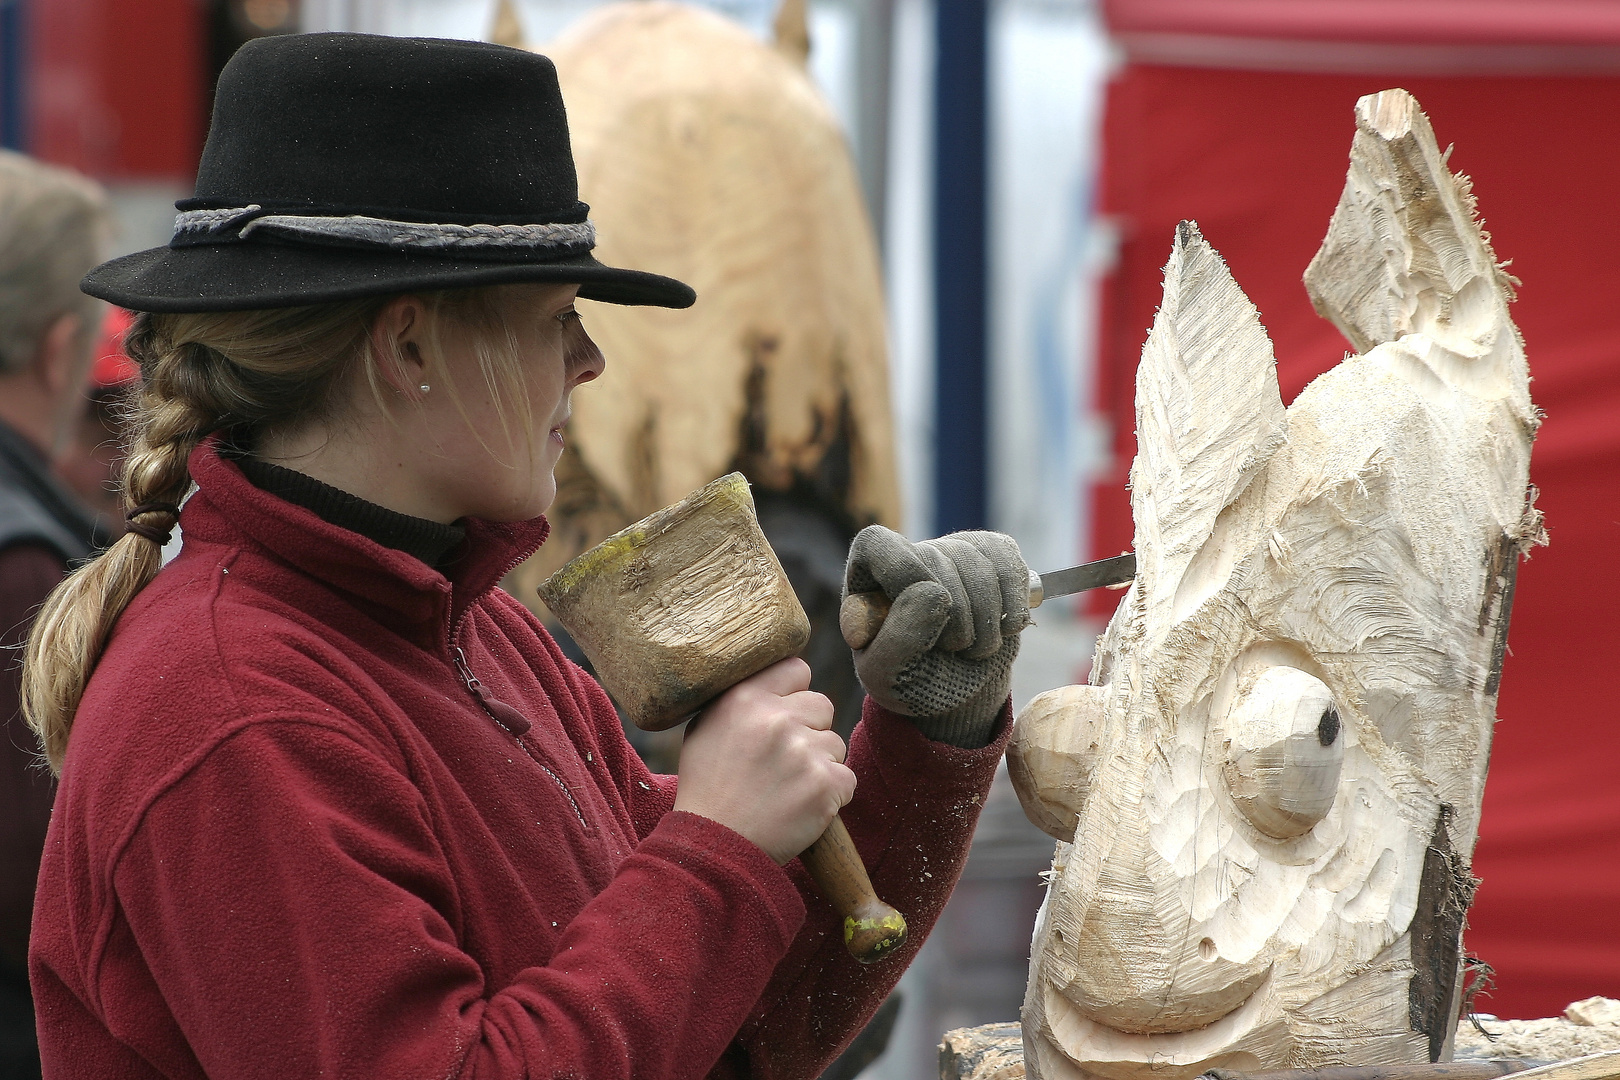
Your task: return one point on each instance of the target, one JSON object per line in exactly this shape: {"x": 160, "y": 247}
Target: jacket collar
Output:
{"x": 24, "y": 467}
{"x": 227, "y": 508}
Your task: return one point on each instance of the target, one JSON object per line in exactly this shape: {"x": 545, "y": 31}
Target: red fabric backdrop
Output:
{"x": 1258, "y": 159}
{"x": 116, "y": 87}
{"x": 1448, "y": 22}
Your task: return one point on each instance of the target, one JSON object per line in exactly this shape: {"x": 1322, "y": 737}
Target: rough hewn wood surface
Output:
{"x": 1586, "y": 1028}
{"x": 1591, "y": 1026}
{"x": 991, "y": 1052}
{"x": 1275, "y": 780}
{"x": 681, "y": 605}
{"x": 718, "y": 163}
{"x": 1053, "y": 760}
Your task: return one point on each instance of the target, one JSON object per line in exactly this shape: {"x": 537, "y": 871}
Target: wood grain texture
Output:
{"x": 1275, "y": 778}
{"x": 1604, "y": 1066}
{"x": 1554, "y": 1038}
{"x": 990, "y": 1052}
{"x": 717, "y": 162}
{"x": 1459, "y": 1070}
{"x": 1052, "y": 760}
{"x": 680, "y": 606}
{"x": 996, "y": 1052}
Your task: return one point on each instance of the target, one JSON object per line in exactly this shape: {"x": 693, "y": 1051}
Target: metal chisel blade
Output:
{"x": 1091, "y": 575}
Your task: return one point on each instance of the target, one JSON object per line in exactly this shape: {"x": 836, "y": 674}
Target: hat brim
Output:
{"x": 244, "y": 277}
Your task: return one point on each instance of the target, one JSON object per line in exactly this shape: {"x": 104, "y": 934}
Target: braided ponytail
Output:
{"x": 246, "y": 371}
{"x": 249, "y": 372}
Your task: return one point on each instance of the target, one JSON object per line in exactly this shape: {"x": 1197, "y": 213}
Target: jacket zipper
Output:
{"x": 509, "y": 720}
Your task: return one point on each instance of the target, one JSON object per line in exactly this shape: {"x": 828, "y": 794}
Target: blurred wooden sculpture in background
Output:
{"x": 1269, "y": 795}
{"x": 711, "y": 157}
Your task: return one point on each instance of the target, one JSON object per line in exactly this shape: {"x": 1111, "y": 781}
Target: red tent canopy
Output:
{"x": 115, "y": 89}
{"x": 1257, "y": 157}
{"x": 1446, "y": 22}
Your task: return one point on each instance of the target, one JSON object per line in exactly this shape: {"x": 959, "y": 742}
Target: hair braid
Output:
{"x": 199, "y": 374}
{"x": 249, "y": 372}
{"x": 72, "y": 628}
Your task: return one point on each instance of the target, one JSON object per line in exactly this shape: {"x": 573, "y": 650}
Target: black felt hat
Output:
{"x": 347, "y": 165}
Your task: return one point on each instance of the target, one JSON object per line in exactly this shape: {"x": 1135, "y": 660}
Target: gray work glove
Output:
{"x": 945, "y": 653}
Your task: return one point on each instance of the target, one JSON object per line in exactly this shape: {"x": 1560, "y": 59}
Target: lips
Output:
{"x": 1111, "y": 1054}
{"x": 1179, "y": 1006}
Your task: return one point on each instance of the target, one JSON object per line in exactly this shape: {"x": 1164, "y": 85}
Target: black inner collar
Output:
{"x": 432, "y": 542}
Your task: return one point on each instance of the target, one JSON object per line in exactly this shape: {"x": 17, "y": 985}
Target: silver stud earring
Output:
{"x": 424, "y": 388}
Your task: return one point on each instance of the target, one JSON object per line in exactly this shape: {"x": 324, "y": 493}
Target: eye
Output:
{"x": 566, "y": 317}
{"x": 1285, "y": 750}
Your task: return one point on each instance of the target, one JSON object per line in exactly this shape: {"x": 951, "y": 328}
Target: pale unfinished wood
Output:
{"x": 1556, "y": 1038}
{"x": 1593, "y": 1011}
{"x": 1275, "y": 779}
{"x": 1053, "y": 759}
{"x": 681, "y": 605}
{"x": 791, "y": 31}
{"x": 996, "y": 1052}
{"x": 1603, "y": 1066}
{"x": 506, "y": 28}
{"x": 718, "y": 162}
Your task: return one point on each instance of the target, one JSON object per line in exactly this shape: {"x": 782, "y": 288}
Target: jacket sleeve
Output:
{"x": 311, "y": 859}
{"x": 916, "y": 804}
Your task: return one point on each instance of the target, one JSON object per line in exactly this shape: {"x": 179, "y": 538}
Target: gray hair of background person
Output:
{"x": 54, "y": 225}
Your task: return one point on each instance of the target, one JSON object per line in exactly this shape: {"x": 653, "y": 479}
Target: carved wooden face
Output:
{"x": 1274, "y": 781}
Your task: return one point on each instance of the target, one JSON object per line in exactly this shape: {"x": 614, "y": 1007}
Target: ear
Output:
{"x": 398, "y": 342}
{"x": 1404, "y": 253}
{"x": 62, "y": 361}
{"x": 59, "y": 357}
{"x": 1209, "y": 414}
{"x": 790, "y": 32}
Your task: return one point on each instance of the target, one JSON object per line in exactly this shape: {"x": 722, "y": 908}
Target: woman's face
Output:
{"x": 492, "y": 457}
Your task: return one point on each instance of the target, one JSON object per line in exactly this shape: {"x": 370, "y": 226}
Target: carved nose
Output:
{"x": 1141, "y": 961}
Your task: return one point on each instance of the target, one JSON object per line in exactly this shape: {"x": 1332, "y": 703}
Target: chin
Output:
{"x": 534, "y": 504}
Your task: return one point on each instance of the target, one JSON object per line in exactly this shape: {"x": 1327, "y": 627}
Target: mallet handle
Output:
{"x": 872, "y": 929}
{"x": 861, "y": 616}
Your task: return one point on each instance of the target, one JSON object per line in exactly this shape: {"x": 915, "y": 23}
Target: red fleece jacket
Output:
{"x": 290, "y": 843}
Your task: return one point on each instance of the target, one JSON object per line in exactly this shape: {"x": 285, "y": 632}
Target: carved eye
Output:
{"x": 1285, "y": 751}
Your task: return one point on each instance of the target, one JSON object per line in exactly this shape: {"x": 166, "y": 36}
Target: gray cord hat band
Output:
{"x": 236, "y": 224}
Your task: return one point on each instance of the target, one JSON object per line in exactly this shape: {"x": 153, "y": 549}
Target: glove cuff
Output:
{"x": 971, "y": 724}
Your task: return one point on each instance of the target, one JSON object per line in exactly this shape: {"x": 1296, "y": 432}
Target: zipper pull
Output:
{"x": 502, "y": 713}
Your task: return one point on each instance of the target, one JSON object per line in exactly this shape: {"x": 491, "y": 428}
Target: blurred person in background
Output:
{"x": 95, "y": 448}
{"x": 52, "y": 225}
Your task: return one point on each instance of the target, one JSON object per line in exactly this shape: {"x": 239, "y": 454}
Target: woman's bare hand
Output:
{"x": 764, "y": 761}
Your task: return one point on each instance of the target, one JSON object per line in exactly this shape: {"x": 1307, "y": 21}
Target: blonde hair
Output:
{"x": 248, "y": 373}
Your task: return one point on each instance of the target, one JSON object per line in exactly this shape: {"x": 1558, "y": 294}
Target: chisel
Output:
{"x": 862, "y": 614}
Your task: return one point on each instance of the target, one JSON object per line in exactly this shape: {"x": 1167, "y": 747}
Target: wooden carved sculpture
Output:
{"x": 711, "y": 157}
{"x": 1269, "y": 794}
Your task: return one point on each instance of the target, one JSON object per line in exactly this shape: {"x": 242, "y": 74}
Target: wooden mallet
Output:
{"x": 680, "y": 607}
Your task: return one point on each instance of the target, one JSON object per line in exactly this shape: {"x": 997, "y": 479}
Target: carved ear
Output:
{"x": 1209, "y": 414}
{"x": 1404, "y": 253}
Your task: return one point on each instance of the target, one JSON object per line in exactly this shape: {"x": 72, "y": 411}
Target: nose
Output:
{"x": 585, "y": 359}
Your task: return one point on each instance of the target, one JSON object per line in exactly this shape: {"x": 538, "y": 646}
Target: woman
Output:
{"x": 331, "y": 804}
